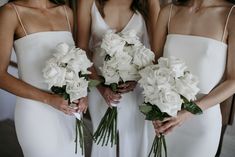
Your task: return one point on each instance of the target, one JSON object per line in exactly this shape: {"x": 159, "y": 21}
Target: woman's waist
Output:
{"x": 37, "y": 82}
{"x": 35, "y": 109}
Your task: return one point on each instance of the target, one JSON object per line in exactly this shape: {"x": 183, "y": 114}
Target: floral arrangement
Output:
{"x": 124, "y": 55}
{"x": 66, "y": 74}
{"x": 168, "y": 88}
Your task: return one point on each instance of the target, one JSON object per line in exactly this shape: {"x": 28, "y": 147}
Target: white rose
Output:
{"x": 129, "y": 74}
{"x": 162, "y": 75}
{"x": 123, "y": 60}
{"x": 130, "y": 50}
{"x": 67, "y": 57}
{"x": 170, "y": 102}
{"x": 61, "y": 50}
{"x": 177, "y": 66}
{"x": 143, "y": 57}
{"x": 148, "y": 75}
{"x": 70, "y": 75}
{"x": 190, "y": 79}
{"x": 112, "y": 43}
{"x": 186, "y": 88}
{"x": 110, "y": 74}
{"x": 148, "y": 70}
{"x": 113, "y": 62}
{"x": 131, "y": 37}
{"x": 54, "y": 75}
{"x": 77, "y": 88}
{"x": 150, "y": 94}
{"x": 163, "y": 62}
{"x": 82, "y": 61}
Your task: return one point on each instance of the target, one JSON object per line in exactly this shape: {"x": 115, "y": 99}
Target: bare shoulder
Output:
{"x": 7, "y": 10}
{"x": 166, "y": 8}
{"x": 69, "y": 11}
{"x": 8, "y": 14}
{"x": 165, "y": 11}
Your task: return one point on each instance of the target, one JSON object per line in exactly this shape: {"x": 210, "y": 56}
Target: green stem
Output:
{"x": 107, "y": 128}
{"x": 164, "y": 145}
{"x": 158, "y": 144}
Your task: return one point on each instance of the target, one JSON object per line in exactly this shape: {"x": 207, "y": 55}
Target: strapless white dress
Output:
{"x": 205, "y": 58}
{"x": 42, "y": 131}
{"x": 130, "y": 120}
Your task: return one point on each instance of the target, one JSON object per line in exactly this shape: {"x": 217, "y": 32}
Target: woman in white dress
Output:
{"x": 201, "y": 32}
{"x": 44, "y": 125}
{"x": 95, "y": 17}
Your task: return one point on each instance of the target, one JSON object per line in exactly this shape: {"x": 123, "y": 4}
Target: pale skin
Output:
{"x": 117, "y": 15}
{"x": 201, "y": 18}
{"x": 37, "y": 16}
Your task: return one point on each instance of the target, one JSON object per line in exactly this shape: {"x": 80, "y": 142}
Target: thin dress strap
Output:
{"x": 169, "y": 18}
{"x": 226, "y": 24}
{"x": 18, "y": 15}
{"x": 67, "y": 17}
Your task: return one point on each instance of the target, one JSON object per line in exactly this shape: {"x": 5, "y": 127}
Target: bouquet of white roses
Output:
{"x": 124, "y": 55}
{"x": 66, "y": 74}
{"x": 168, "y": 88}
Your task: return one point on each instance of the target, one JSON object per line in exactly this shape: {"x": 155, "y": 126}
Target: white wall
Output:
{"x": 7, "y": 100}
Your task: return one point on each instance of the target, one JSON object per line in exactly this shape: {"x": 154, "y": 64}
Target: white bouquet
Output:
{"x": 168, "y": 88}
{"x": 66, "y": 74}
{"x": 124, "y": 55}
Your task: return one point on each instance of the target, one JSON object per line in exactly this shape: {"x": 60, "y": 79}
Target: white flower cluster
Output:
{"x": 66, "y": 68}
{"x": 165, "y": 83}
{"x": 125, "y": 56}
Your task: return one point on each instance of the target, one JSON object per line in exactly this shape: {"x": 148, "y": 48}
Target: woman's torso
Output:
{"x": 34, "y": 49}
{"x": 205, "y": 56}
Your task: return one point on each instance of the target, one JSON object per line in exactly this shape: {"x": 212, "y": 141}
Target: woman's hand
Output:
{"x": 166, "y": 126}
{"x": 109, "y": 96}
{"x": 127, "y": 87}
{"x": 61, "y": 104}
{"x": 82, "y": 104}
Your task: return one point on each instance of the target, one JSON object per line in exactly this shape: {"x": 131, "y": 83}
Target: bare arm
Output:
{"x": 226, "y": 88}
{"x": 70, "y": 16}
{"x": 83, "y": 38}
{"x": 154, "y": 9}
{"x": 9, "y": 23}
{"x": 160, "y": 33}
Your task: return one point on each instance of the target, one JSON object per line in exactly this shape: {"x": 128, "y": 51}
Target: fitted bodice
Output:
{"x": 34, "y": 50}
{"x": 205, "y": 57}
{"x": 99, "y": 27}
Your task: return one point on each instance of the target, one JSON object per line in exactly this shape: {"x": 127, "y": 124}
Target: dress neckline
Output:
{"x": 123, "y": 29}
{"x": 38, "y": 33}
{"x": 199, "y": 37}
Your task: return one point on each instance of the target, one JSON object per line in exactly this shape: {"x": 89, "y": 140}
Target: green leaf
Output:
{"x": 192, "y": 107}
{"x": 145, "y": 109}
{"x": 114, "y": 87}
{"x": 83, "y": 75}
{"x": 66, "y": 96}
{"x": 58, "y": 90}
{"x": 107, "y": 57}
{"x": 93, "y": 83}
{"x": 152, "y": 112}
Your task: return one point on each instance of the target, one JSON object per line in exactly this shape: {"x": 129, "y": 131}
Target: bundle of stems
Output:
{"x": 107, "y": 129}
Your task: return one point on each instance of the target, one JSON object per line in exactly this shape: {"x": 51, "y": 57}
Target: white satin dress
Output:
{"x": 130, "y": 120}
{"x": 206, "y": 58}
{"x": 42, "y": 131}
